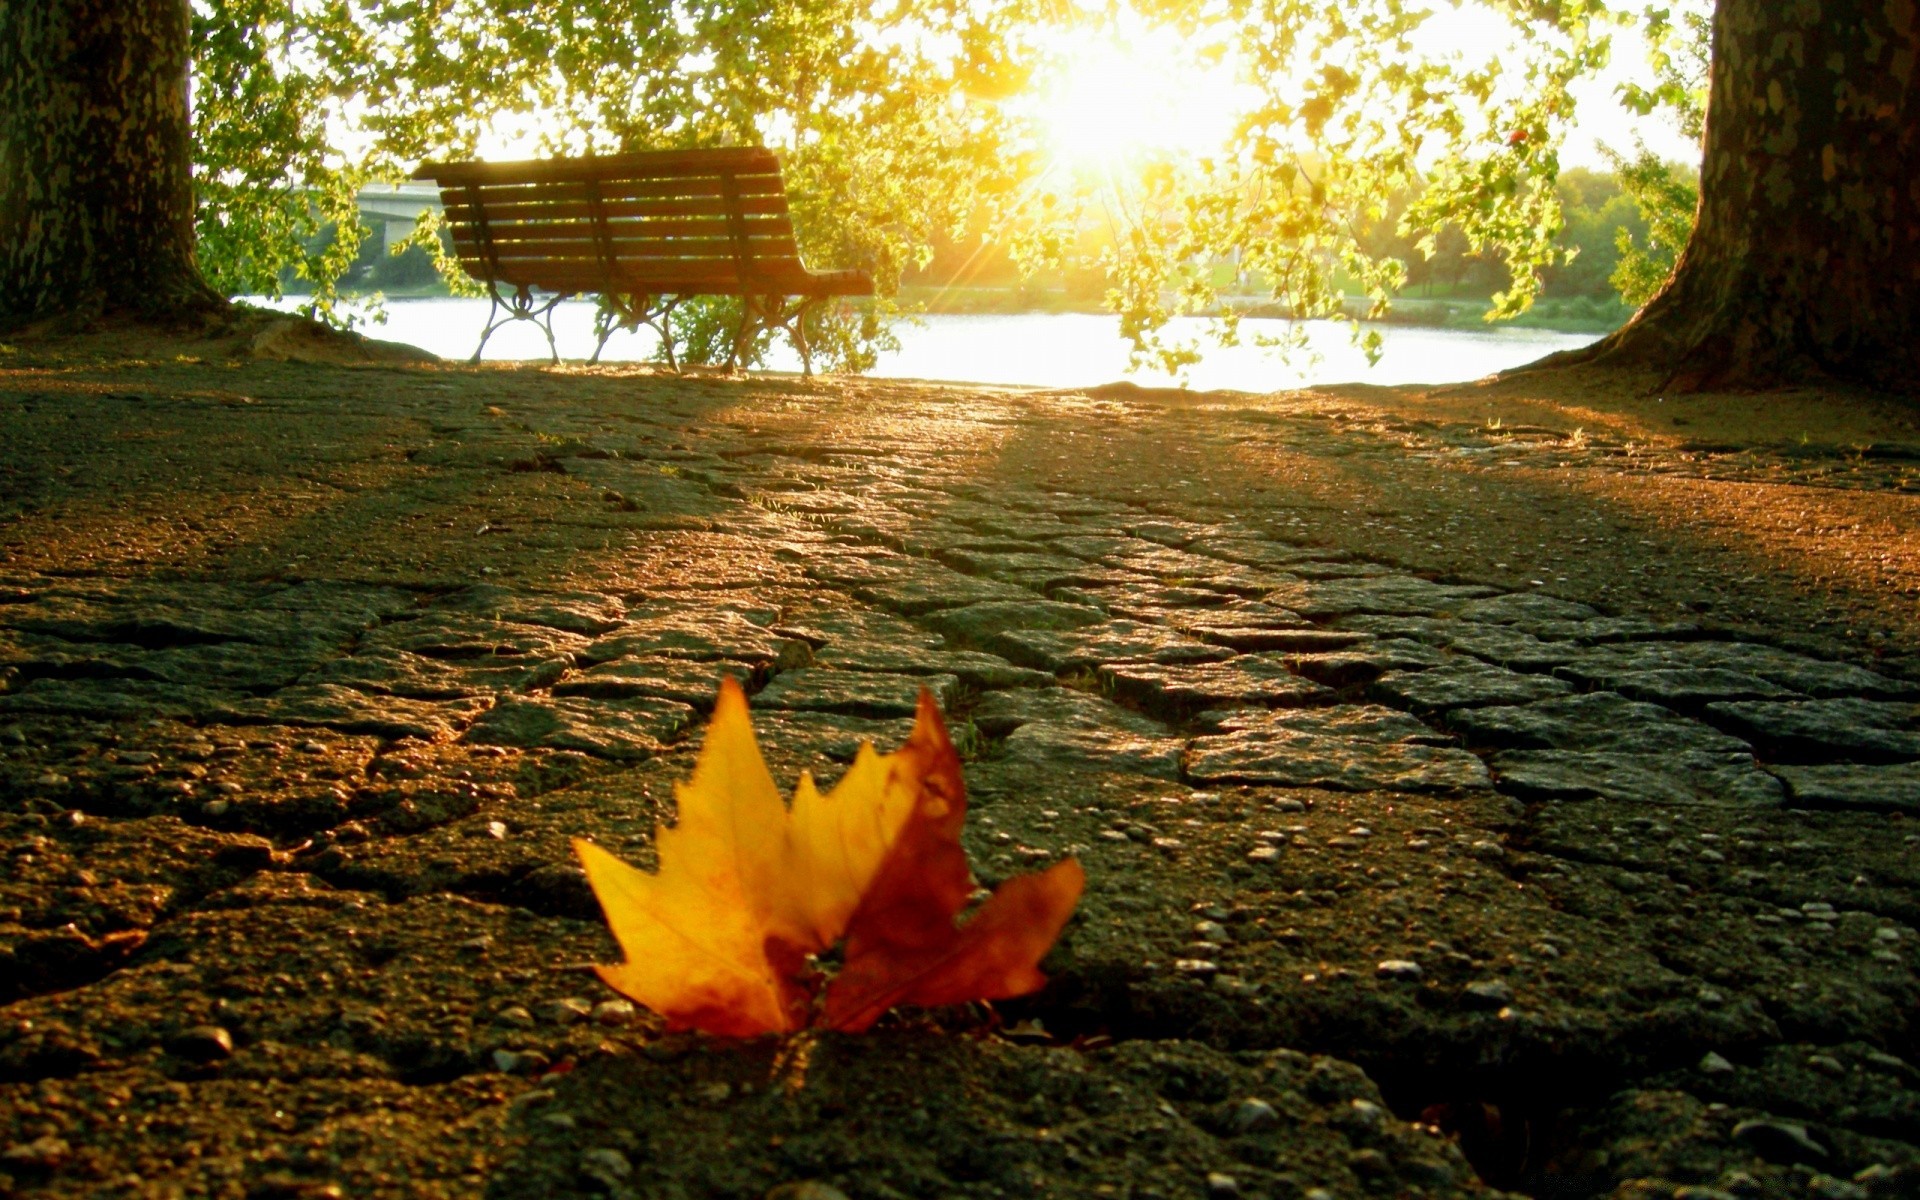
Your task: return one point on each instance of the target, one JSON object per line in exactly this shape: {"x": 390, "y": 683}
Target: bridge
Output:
{"x": 390, "y": 210}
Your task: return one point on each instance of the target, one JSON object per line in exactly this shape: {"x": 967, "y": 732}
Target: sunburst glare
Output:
{"x": 1130, "y": 93}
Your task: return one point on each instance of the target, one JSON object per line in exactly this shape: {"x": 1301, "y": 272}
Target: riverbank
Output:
{"x": 1502, "y": 786}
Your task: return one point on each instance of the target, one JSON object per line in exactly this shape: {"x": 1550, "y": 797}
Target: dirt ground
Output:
{"x": 1506, "y": 787}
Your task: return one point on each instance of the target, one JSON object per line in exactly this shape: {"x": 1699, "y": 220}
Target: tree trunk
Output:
{"x": 1805, "y": 255}
{"x": 96, "y": 183}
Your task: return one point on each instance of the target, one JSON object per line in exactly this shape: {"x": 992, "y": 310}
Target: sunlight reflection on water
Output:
{"x": 1048, "y": 350}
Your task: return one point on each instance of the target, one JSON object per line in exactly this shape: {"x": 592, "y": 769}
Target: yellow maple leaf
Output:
{"x": 748, "y": 887}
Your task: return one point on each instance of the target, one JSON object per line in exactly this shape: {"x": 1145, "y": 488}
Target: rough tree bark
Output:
{"x": 96, "y": 185}
{"x": 1805, "y": 255}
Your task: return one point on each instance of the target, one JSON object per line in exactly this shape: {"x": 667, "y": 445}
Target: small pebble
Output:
{"x": 497, "y": 830}
{"x": 1487, "y": 993}
{"x": 569, "y": 1010}
{"x": 1254, "y": 1115}
{"x": 1221, "y": 1184}
{"x": 1289, "y": 804}
{"x": 606, "y": 1164}
{"x": 204, "y": 1043}
{"x": 1402, "y": 970}
{"x": 1212, "y": 931}
{"x": 515, "y": 1015}
{"x": 216, "y": 808}
{"x": 43, "y": 1153}
{"x": 311, "y": 747}
{"x": 1712, "y": 1063}
{"x": 1826, "y": 1064}
{"x": 614, "y": 1013}
{"x": 1886, "y": 935}
{"x": 1264, "y": 856}
{"x": 521, "y": 1062}
{"x": 1779, "y": 1141}
{"x": 1198, "y": 967}
{"x": 806, "y": 1189}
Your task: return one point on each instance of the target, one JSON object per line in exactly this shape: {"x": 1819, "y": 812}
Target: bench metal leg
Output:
{"x": 776, "y": 312}
{"x": 631, "y": 312}
{"x": 520, "y": 307}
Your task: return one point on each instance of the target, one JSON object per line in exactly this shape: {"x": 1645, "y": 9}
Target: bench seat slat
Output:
{"x": 796, "y": 280}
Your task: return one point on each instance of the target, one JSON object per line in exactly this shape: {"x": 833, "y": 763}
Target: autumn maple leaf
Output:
{"x": 749, "y": 889}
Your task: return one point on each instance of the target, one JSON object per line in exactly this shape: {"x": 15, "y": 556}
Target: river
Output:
{"x": 1045, "y": 349}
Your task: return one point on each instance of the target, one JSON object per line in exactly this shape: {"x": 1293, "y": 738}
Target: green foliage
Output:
{"x": 1358, "y": 161}
{"x": 1666, "y": 194}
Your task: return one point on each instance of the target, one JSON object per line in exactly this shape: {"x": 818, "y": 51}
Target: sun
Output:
{"x": 1127, "y": 94}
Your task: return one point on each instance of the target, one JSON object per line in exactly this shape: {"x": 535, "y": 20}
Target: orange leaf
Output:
{"x": 902, "y": 944}
{"x": 719, "y": 938}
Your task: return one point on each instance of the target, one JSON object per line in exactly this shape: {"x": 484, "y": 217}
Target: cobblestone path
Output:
{"x": 1412, "y": 869}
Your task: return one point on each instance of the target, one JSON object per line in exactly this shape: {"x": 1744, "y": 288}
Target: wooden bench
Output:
{"x": 643, "y": 232}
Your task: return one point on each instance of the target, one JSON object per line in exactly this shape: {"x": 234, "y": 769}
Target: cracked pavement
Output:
{"x": 1466, "y": 804}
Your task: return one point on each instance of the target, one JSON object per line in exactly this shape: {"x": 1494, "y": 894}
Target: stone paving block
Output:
{"x": 1823, "y": 730}
{"x": 1320, "y": 569}
{"x": 330, "y": 706}
{"x": 840, "y": 623}
{"x": 1095, "y": 747}
{"x": 1003, "y": 565}
{"x": 384, "y": 670}
{"x": 1350, "y": 747}
{"x": 1169, "y": 532}
{"x": 1676, "y": 687}
{"x": 1088, "y": 546}
{"x": 1593, "y": 721}
{"x": 713, "y": 634}
{"x": 587, "y": 613}
{"x": 801, "y": 740}
{"x": 976, "y": 624}
{"x": 1795, "y": 672}
{"x": 969, "y": 666}
{"x": 166, "y": 616}
{"x": 460, "y": 635}
{"x": 1258, "y": 552}
{"x": 857, "y": 693}
{"x": 1107, "y": 642}
{"x": 1520, "y": 607}
{"x": 1600, "y": 631}
{"x": 850, "y": 566}
{"x": 690, "y": 681}
{"x": 238, "y": 665}
{"x": 1684, "y": 777}
{"x": 629, "y": 729}
{"x": 1167, "y": 565}
{"x": 1001, "y": 713}
{"x": 1387, "y": 594}
{"x": 1251, "y": 639}
{"x": 1878, "y": 788}
{"x": 1365, "y": 662}
{"x": 935, "y": 589}
{"x": 1463, "y": 685}
{"x": 1249, "y": 679}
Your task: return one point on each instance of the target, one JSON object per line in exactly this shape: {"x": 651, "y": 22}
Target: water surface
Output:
{"x": 1045, "y": 349}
